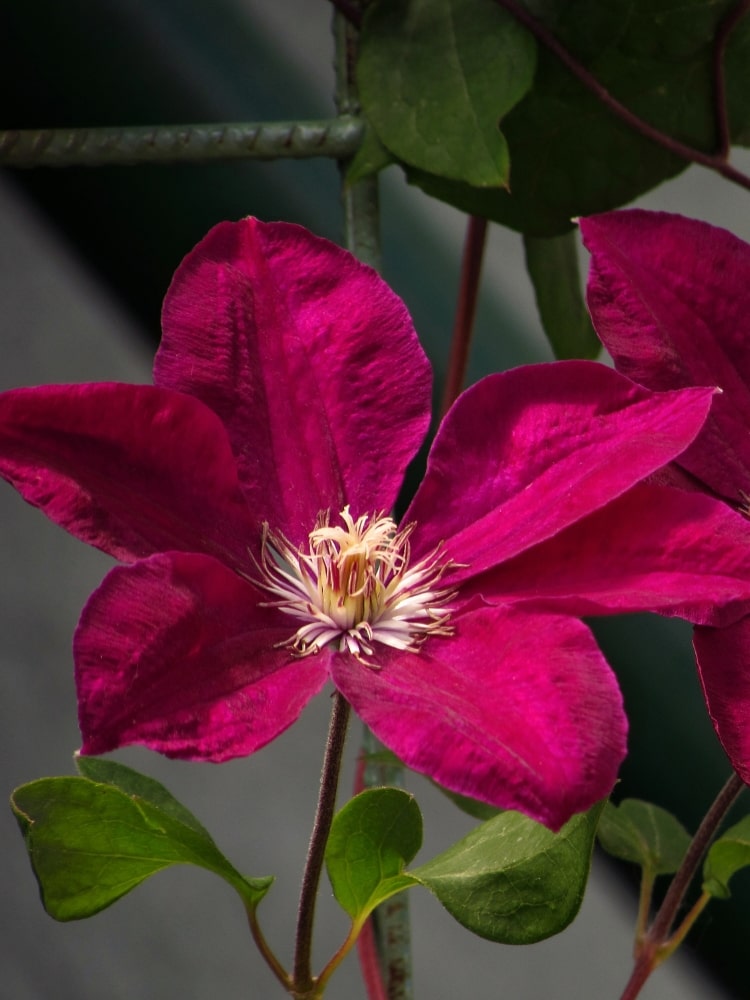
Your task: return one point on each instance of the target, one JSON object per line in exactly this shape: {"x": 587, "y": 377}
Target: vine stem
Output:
{"x": 384, "y": 947}
{"x": 654, "y": 946}
{"x": 721, "y": 110}
{"x": 303, "y": 982}
{"x": 466, "y": 307}
{"x": 713, "y": 161}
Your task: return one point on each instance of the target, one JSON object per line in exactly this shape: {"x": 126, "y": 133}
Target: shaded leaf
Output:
{"x": 370, "y": 158}
{"x": 91, "y": 842}
{"x": 435, "y": 79}
{"x": 472, "y": 807}
{"x": 372, "y": 838}
{"x": 727, "y": 855}
{"x": 552, "y": 263}
{"x": 570, "y": 155}
{"x": 645, "y": 834}
{"x": 512, "y": 880}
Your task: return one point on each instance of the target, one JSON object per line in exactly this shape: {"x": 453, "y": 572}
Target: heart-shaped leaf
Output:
{"x": 372, "y": 839}
{"x": 511, "y": 879}
{"x": 92, "y": 841}
{"x": 645, "y": 834}
{"x": 727, "y": 855}
{"x": 437, "y": 76}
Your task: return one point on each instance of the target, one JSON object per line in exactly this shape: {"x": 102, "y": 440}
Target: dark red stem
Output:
{"x": 329, "y": 780}
{"x": 721, "y": 110}
{"x": 466, "y": 307}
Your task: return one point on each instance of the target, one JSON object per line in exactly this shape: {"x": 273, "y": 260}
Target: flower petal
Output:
{"x": 311, "y": 362}
{"x": 656, "y": 548}
{"x": 517, "y": 710}
{"x": 175, "y": 653}
{"x": 526, "y": 453}
{"x": 669, "y": 299}
{"x": 129, "y": 469}
{"x": 723, "y": 657}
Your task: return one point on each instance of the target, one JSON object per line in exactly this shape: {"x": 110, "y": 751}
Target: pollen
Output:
{"x": 354, "y": 587}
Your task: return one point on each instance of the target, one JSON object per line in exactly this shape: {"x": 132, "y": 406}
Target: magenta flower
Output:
{"x": 248, "y": 493}
{"x": 670, "y": 298}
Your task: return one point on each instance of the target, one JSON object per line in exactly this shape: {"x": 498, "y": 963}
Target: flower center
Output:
{"x": 354, "y": 586}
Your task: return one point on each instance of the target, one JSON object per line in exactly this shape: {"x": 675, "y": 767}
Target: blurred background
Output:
{"x": 85, "y": 258}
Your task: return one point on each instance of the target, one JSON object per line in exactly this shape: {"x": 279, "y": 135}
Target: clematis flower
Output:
{"x": 248, "y": 495}
{"x": 670, "y": 299}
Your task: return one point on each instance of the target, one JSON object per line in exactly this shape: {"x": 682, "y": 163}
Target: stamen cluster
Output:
{"x": 355, "y": 586}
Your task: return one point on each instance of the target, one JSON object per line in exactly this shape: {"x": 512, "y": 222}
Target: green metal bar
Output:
{"x": 93, "y": 147}
{"x": 391, "y": 922}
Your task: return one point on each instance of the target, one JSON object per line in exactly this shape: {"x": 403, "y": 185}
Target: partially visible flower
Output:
{"x": 670, "y": 299}
{"x": 248, "y": 493}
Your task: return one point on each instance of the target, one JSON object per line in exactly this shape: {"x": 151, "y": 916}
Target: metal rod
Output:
{"x": 92, "y": 147}
{"x": 391, "y": 921}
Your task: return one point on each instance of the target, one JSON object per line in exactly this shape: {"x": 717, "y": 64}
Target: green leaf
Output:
{"x": 133, "y": 783}
{"x": 727, "y": 855}
{"x": 645, "y": 834}
{"x": 552, "y": 263}
{"x": 472, "y": 807}
{"x": 372, "y": 838}
{"x": 570, "y": 154}
{"x": 91, "y": 842}
{"x": 436, "y": 77}
{"x": 512, "y": 880}
{"x": 370, "y": 158}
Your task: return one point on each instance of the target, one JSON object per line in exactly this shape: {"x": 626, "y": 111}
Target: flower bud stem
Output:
{"x": 657, "y": 943}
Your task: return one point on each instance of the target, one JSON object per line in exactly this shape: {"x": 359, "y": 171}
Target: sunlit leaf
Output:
{"x": 437, "y": 76}
{"x": 91, "y": 842}
{"x": 372, "y": 839}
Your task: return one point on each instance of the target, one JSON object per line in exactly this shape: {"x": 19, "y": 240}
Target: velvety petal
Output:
{"x": 517, "y": 710}
{"x": 129, "y": 469}
{"x": 311, "y": 362}
{"x": 723, "y": 657}
{"x": 526, "y": 453}
{"x": 654, "y": 549}
{"x": 670, "y": 298}
{"x": 174, "y": 653}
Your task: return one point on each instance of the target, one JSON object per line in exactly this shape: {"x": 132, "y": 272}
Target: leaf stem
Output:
{"x": 721, "y": 110}
{"x": 644, "y": 907}
{"x": 656, "y": 944}
{"x": 713, "y": 161}
{"x": 262, "y": 945}
{"x": 333, "y": 963}
{"x": 670, "y": 946}
{"x": 466, "y": 308}
{"x": 303, "y": 982}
